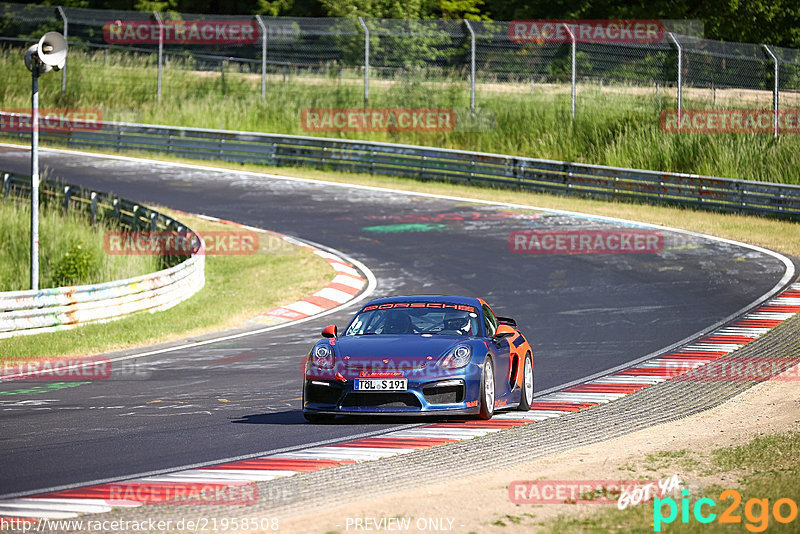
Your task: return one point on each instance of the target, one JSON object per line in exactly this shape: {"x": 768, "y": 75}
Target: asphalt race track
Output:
{"x": 584, "y": 314}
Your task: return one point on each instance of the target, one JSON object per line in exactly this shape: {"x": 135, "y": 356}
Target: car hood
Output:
{"x": 400, "y": 351}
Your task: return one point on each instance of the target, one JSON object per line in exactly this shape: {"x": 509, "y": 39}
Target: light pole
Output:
{"x": 49, "y": 53}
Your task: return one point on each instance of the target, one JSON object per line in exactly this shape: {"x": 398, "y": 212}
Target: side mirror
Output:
{"x": 329, "y": 331}
{"x": 503, "y": 331}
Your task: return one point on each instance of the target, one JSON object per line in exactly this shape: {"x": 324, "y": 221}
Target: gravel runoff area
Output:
{"x": 306, "y": 493}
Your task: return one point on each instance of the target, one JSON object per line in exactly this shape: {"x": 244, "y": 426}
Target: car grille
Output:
{"x": 444, "y": 394}
{"x": 381, "y": 400}
{"x": 323, "y": 394}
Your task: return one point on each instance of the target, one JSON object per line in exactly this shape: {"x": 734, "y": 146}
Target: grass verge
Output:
{"x": 70, "y": 250}
{"x": 237, "y": 288}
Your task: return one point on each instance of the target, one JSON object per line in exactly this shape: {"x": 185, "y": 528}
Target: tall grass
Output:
{"x": 70, "y": 250}
{"x": 614, "y": 126}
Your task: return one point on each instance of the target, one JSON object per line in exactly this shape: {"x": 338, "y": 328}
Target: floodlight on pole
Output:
{"x": 48, "y": 54}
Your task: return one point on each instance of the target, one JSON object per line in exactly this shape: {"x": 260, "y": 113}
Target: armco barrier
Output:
{"x": 48, "y": 310}
{"x": 428, "y": 163}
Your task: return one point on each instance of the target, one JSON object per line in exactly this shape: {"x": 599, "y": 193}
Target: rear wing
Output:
{"x": 507, "y": 320}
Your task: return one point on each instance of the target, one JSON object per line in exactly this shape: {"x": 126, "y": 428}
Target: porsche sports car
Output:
{"x": 419, "y": 355}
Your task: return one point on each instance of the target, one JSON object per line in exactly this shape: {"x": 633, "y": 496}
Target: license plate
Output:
{"x": 384, "y": 384}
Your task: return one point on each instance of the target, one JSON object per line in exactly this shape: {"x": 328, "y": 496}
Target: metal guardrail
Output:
{"x": 48, "y": 310}
{"x": 429, "y": 163}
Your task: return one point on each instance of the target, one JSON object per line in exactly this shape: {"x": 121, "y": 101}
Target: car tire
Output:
{"x": 487, "y": 390}
{"x": 526, "y": 397}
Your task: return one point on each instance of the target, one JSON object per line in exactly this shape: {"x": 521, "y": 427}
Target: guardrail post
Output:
{"x": 135, "y": 218}
{"x": 117, "y": 213}
{"x": 66, "y": 38}
{"x": 263, "y": 56}
{"x": 94, "y": 207}
{"x": 775, "y": 93}
{"x": 366, "y": 60}
{"x": 160, "y": 49}
{"x": 572, "y": 60}
{"x": 153, "y": 221}
{"x": 471, "y": 66}
{"x": 680, "y": 78}
{"x": 6, "y": 185}
{"x": 67, "y": 195}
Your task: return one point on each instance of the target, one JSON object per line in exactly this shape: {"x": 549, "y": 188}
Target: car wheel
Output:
{"x": 487, "y": 390}
{"x": 318, "y": 417}
{"x": 527, "y": 385}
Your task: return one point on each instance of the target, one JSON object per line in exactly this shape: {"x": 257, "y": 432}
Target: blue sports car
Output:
{"x": 419, "y": 355}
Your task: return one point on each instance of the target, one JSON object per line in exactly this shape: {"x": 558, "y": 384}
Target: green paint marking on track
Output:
{"x": 43, "y": 389}
{"x": 397, "y": 228}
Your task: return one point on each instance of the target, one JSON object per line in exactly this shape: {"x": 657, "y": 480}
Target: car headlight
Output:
{"x": 458, "y": 357}
{"x": 322, "y": 356}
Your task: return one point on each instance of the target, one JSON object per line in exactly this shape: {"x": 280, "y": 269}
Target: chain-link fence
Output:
{"x": 240, "y": 54}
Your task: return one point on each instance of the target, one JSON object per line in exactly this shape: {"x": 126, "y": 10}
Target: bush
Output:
{"x": 77, "y": 266}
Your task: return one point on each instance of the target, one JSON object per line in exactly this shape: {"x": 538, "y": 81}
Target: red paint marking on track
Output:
{"x": 695, "y": 357}
{"x": 281, "y": 464}
{"x": 322, "y": 302}
{"x": 719, "y": 338}
{"x": 562, "y": 406}
{"x": 779, "y": 308}
{"x": 757, "y": 323}
{"x": 397, "y": 443}
{"x": 653, "y": 371}
{"x": 343, "y": 288}
{"x": 606, "y": 388}
{"x": 499, "y": 423}
{"x": 703, "y": 354}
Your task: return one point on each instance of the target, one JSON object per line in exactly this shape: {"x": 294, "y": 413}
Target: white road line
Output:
{"x": 580, "y": 397}
{"x": 627, "y": 379}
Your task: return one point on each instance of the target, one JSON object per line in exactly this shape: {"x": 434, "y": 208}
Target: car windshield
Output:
{"x": 416, "y": 318}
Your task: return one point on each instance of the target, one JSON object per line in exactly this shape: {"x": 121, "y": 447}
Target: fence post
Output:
{"x": 6, "y": 184}
{"x": 94, "y": 207}
{"x": 775, "y": 93}
{"x": 680, "y": 78}
{"x": 160, "y": 49}
{"x": 67, "y": 195}
{"x": 572, "y": 60}
{"x": 366, "y": 60}
{"x": 263, "y": 56}
{"x": 471, "y": 66}
{"x": 66, "y": 37}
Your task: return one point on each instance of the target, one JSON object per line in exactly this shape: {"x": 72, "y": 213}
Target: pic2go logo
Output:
{"x": 756, "y": 511}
